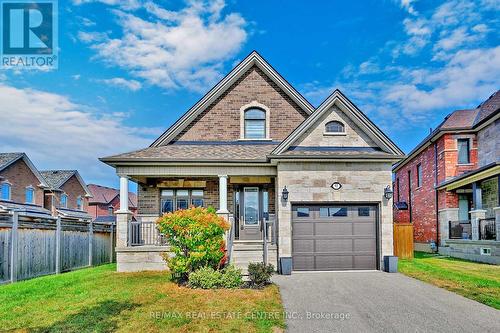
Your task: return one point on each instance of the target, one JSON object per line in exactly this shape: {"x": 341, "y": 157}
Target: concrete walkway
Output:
{"x": 378, "y": 302}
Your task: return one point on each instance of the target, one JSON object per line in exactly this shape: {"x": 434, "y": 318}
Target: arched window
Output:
{"x": 334, "y": 127}
{"x": 64, "y": 200}
{"x": 30, "y": 194}
{"x": 255, "y": 124}
{"x": 5, "y": 191}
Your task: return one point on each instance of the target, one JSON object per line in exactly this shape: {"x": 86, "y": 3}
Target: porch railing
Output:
{"x": 460, "y": 230}
{"x": 487, "y": 229}
{"x": 144, "y": 234}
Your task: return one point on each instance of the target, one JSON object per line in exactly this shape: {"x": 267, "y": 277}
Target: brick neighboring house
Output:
{"x": 20, "y": 181}
{"x": 67, "y": 192}
{"x": 105, "y": 201}
{"x": 312, "y": 186}
{"x": 451, "y": 180}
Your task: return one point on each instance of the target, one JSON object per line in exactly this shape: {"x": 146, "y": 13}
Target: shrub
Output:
{"x": 196, "y": 240}
{"x": 209, "y": 278}
{"x": 231, "y": 277}
{"x": 259, "y": 274}
{"x": 205, "y": 278}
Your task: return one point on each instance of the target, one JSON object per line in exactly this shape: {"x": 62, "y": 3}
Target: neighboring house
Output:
{"x": 67, "y": 192}
{"x": 259, "y": 153}
{"x": 20, "y": 182}
{"x": 106, "y": 200}
{"x": 448, "y": 186}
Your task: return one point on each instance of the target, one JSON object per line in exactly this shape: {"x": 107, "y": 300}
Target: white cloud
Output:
{"x": 172, "y": 49}
{"x": 125, "y": 4}
{"x": 132, "y": 85}
{"x": 408, "y": 6}
{"x": 57, "y": 133}
{"x": 76, "y": 77}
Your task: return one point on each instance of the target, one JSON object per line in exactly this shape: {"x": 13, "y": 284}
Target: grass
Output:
{"x": 480, "y": 282}
{"x": 101, "y": 300}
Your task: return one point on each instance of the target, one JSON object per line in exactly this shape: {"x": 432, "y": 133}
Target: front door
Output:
{"x": 251, "y": 206}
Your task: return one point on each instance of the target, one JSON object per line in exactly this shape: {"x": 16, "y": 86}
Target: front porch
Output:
{"x": 247, "y": 202}
{"x": 470, "y": 222}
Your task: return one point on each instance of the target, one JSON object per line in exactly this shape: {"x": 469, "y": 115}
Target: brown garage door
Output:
{"x": 334, "y": 237}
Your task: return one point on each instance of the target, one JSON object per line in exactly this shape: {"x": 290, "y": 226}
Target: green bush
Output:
{"x": 231, "y": 277}
{"x": 209, "y": 278}
{"x": 196, "y": 238}
{"x": 259, "y": 274}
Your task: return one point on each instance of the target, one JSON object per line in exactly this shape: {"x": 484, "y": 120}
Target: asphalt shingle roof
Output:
{"x": 56, "y": 178}
{"x": 104, "y": 195}
{"x": 8, "y": 158}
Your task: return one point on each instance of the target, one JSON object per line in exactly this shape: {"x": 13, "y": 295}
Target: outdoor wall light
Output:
{"x": 388, "y": 193}
{"x": 284, "y": 194}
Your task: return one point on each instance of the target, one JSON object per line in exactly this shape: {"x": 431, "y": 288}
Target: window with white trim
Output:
{"x": 6, "y": 189}
{"x": 177, "y": 199}
{"x": 79, "y": 203}
{"x": 64, "y": 201}
{"x": 30, "y": 195}
{"x": 255, "y": 123}
{"x": 334, "y": 127}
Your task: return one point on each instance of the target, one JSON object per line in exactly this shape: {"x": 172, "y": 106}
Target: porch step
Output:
{"x": 245, "y": 252}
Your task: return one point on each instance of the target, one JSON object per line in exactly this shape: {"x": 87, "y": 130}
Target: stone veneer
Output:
{"x": 488, "y": 141}
{"x": 310, "y": 182}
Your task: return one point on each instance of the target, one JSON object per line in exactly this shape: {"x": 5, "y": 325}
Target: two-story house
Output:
{"x": 448, "y": 186}
{"x": 105, "y": 201}
{"x": 301, "y": 186}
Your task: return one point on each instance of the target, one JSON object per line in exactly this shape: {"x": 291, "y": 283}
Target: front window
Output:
{"x": 334, "y": 127}
{"x": 79, "y": 203}
{"x": 30, "y": 195}
{"x": 64, "y": 201}
{"x": 463, "y": 146}
{"x": 255, "y": 124}
{"x": 172, "y": 200}
{"x": 5, "y": 191}
{"x": 419, "y": 175}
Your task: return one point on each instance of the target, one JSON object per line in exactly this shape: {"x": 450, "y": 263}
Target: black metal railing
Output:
{"x": 487, "y": 229}
{"x": 460, "y": 230}
{"x": 145, "y": 233}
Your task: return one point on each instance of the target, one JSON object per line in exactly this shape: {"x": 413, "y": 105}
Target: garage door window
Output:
{"x": 332, "y": 211}
{"x": 364, "y": 211}
{"x": 302, "y": 212}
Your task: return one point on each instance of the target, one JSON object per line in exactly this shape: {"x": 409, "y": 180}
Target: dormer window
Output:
{"x": 255, "y": 123}
{"x": 334, "y": 127}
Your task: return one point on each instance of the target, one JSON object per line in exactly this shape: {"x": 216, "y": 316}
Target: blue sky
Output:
{"x": 128, "y": 69}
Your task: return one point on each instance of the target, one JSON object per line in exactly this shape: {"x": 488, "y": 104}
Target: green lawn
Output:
{"x": 101, "y": 300}
{"x": 480, "y": 282}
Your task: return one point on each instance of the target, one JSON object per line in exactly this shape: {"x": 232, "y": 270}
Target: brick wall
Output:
{"x": 221, "y": 120}
{"x": 19, "y": 175}
{"x": 73, "y": 190}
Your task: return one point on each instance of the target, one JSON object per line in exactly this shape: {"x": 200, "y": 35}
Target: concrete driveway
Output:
{"x": 378, "y": 302}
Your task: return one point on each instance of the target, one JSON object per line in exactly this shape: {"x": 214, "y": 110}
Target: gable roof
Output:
{"x": 104, "y": 195}
{"x": 253, "y": 59}
{"x": 469, "y": 119}
{"x": 57, "y": 178}
{"x": 387, "y": 147}
{"x": 7, "y": 159}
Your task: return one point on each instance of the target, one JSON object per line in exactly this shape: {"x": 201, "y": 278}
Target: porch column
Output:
{"x": 497, "y": 221}
{"x": 223, "y": 195}
{"x": 445, "y": 216}
{"x": 123, "y": 215}
{"x": 475, "y": 216}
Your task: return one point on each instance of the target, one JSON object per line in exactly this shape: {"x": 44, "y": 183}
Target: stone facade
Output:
{"x": 471, "y": 250}
{"x": 310, "y": 182}
{"x": 253, "y": 86}
{"x": 488, "y": 140}
{"x": 20, "y": 176}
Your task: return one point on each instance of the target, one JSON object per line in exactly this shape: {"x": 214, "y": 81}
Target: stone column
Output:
{"x": 475, "y": 216}
{"x": 497, "y": 221}
{"x": 223, "y": 196}
{"x": 445, "y": 216}
{"x": 123, "y": 215}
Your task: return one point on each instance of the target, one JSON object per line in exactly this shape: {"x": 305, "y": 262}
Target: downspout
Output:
{"x": 436, "y": 193}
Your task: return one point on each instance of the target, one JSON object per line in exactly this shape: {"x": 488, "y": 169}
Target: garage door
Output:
{"x": 334, "y": 237}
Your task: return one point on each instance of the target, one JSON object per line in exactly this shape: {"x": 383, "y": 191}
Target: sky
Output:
{"x": 128, "y": 69}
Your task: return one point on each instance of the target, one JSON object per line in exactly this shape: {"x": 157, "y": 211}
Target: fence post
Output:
{"x": 111, "y": 241}
{"x": 91, "y": 238}
{"x": 58, "y": 245}
{"x": 14, "y": 246}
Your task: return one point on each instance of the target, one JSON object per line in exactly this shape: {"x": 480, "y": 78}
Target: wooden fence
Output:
{"x": 403, "y": 240}
{"x": 33, "y": 246}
